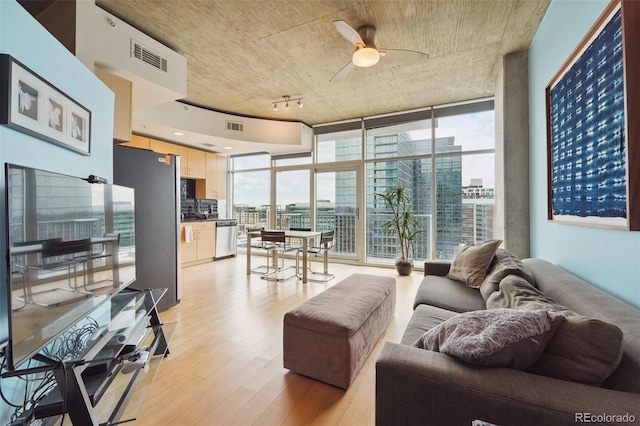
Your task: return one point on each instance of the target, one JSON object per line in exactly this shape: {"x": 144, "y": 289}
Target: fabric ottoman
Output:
{"x": 330, "y": 336}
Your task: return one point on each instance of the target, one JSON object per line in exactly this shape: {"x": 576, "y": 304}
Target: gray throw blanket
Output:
{"x": 582, "y": 350}
{"x": 497, "y": 337}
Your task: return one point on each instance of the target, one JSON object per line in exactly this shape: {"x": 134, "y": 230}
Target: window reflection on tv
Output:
{"x": 71, "y": 245}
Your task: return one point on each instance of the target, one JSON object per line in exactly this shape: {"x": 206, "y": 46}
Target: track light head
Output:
{"x": 285, "y": 100}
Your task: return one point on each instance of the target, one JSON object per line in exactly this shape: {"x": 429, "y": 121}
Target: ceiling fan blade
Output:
{"x": 403, "y": 55}
{"x": 343, "y": 72}
{"x": 348, "y": 32}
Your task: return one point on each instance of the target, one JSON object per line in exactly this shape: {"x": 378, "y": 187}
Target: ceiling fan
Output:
{"x": 366, "y": 53}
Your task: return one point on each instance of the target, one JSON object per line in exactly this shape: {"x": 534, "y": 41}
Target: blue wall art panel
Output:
{"x": 587, "y": 132}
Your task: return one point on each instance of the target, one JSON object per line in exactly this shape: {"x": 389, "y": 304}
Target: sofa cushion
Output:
{"x": 504, "y": 263}
{"x": 494, "y": 338}
{"x": 471, "y": 263}
{"x": 448, "y": 294}
{"x": 424, "y": 318}
{"x": 583, "y": 350}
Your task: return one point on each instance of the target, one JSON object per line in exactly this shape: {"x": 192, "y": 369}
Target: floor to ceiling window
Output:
{"x": 251, "y": 185}
{"x": 293, "y": 209}
{"x": 465, "y": 177}
{"x": 337, "y": 209}
{"x": 445, "y": 156}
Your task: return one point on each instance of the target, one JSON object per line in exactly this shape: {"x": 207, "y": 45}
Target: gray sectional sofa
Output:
{"x": 423, "y": 387}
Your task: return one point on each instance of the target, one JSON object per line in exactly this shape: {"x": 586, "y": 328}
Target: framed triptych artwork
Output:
{"x": 30, "y": 104}
{"x": 593, "y": 126}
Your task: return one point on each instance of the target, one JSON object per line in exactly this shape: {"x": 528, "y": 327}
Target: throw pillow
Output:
{"x": 504, "y": 263}
{"x": 494, "y": 338}
{"x": 583, "y": 350}
{"x": 471, "y": 263}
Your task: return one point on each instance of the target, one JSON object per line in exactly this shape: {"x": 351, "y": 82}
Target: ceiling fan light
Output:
{"x": 366, "y": 57}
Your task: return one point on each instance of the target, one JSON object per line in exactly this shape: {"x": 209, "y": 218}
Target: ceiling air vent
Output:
{"x": 236, "y": 127}
{"x": 148, "y": 56}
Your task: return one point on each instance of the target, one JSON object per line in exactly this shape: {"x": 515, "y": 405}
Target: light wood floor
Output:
{"x": 225, "y": 366}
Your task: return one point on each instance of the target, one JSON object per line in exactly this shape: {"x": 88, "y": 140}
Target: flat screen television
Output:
{"x": 71, "y": 245}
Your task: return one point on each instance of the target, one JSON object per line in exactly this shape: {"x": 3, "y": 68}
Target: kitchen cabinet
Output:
{"x": 196, "y": 163}
{"x": 192, "y": 161}
{"x": 123, "y": 90}
{"x": 221, "y": 176}
{"x": 167, "y": 148}
{"x": 206, "y": 240}
{"x": 138, "y": 141}
{"x": 163, "y": 147}
{"x": 203, "y": 245}
{"x": 215, "y": 183}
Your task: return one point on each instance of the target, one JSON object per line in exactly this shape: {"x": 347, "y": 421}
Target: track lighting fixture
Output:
{"x": 286, "y": 99}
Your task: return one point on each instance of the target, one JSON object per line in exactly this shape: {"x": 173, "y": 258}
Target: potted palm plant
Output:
{"x": 404, "y": 223}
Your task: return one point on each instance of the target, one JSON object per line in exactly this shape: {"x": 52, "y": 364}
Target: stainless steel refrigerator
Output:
{"x": 156, "y": 180}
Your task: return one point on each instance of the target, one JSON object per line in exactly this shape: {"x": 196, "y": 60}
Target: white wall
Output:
{"x": 22, "y": 37}
{"x": 103, "y": 39}
{"x": 609, "y": 259}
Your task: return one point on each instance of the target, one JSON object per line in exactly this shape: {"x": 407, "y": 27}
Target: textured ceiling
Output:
{"x": 244, "y": 54}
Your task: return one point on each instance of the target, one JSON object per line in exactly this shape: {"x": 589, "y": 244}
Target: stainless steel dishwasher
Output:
{"x": 226, "y": 235}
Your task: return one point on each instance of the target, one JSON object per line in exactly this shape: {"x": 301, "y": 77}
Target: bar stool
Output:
{"x": 61, "y": 255}
{"x": 276, "y": 243}
{"x": 326, "y": 244}
{"x": 258, "y": 244}
{"x": 101, "y": 251}
{"x": 20, "y": 268}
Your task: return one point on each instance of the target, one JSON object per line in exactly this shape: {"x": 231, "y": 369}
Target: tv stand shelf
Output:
{"x": 109, "y": 382}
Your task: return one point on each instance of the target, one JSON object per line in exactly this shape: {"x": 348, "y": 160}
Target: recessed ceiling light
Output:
{"x": 178, "y": 133}
{"x": 227, "y": 147}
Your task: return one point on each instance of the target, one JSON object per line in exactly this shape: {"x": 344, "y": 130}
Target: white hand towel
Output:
{"x": 188, "y": 234}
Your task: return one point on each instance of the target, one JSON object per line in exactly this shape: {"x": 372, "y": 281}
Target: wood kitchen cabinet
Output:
{"x": 206, "y": 240}
{"x": 203, "y": 245}
{"x": 215, "y": 183}
{"x": 165, "y": 147}
{"x": 196, "y": 164}
{"x": 138, "y": 141}
{"x": 123, "y": 91}
{"x": 192, "y": 161}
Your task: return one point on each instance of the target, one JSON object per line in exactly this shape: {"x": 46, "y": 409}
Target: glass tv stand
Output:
{"x": 118, "y": 348}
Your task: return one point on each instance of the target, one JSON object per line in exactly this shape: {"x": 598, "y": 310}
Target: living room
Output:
{"x": 606, "y": 258}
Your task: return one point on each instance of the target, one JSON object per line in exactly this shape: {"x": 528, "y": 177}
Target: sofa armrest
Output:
{"x": 437, "y": 267}
{"x": 416, "y": 386}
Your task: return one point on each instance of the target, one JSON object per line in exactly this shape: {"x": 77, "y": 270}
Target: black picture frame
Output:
{"x": 31, "y": 104}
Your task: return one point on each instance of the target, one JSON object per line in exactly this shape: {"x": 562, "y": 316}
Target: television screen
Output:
{"x": 71, "y": 245}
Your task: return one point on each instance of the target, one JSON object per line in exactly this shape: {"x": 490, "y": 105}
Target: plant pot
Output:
{"x": 404, "y": 268}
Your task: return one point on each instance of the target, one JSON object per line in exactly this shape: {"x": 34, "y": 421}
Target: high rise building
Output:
{"x": 478, "y": 207}
{"x": 463, "y": 215}
{"x": 415, "y": 175}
